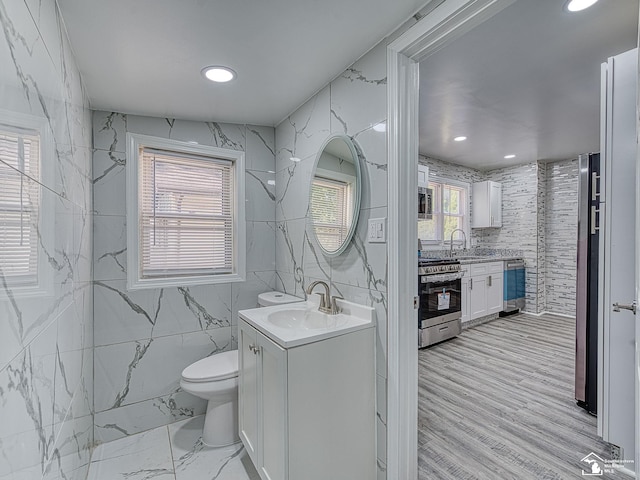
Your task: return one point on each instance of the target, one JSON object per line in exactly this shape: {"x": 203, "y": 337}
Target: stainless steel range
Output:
{"x": 440, "y": 290}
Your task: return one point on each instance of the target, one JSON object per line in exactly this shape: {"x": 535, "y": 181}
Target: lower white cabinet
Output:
{"x": 308, "y": 412}
{"x": 482, "y": 289}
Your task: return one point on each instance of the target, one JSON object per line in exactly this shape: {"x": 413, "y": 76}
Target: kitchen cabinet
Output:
{"x": 482, "y": 290}
{"x": 487, "y": 205}
{"x": 308, "y": 411}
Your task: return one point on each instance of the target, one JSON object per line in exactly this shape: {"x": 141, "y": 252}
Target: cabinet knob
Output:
{"x": 254, "y": 349}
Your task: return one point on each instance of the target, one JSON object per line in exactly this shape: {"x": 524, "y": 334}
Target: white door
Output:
{"x": 248, "y": 389}
{"x": 617, "y": 412}
{"x": 478, "y": 297}
{"x": 495, "y": 293}
{"x": 272, "y": 384}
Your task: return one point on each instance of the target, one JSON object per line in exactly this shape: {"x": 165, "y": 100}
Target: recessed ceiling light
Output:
{"x": 577, "y": 5}
{"x": 460, "y": 139}
{"x": 218, "y": 73}
{"x": 509, "y": 156}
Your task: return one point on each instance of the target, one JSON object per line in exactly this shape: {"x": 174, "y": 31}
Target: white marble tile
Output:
{"x": 314, "y": 262}
{"x": 363, "y": 264}
{"x": 122, "y": 315}
{"x": 359, "y": 95}
{"x": 109, "y": 183}
{"x": 373, "y": 164}
{"x": 109, "y": 247}
{"x": 289, "y": 247}
{"x": 292, "y": 189}
{"x": 245, "y": 294}
{"x": 260, "y": 193}
{"x": 260, "y": 148}
{"x": 130, "y": 372}
{"x": 139, "y": 457}
{"x": 109, "y": 132}
{"x": 223, "y": 135}
{"x": 302, "y": 133}
{"x": 261, "y": 246}
{"x": 145, "y": 415}
{"x": 193, "y": 459}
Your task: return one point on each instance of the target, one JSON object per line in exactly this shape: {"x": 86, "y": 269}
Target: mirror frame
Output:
{"x": 356, "y": 154}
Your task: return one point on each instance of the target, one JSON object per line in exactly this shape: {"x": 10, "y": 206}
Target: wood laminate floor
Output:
{"x": 497, "y": 403}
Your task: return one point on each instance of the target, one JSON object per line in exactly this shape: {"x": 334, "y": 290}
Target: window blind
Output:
{"x": 19, "y": 204}
{"x": 185, "y": 214}
{"x": 331, "y": 211}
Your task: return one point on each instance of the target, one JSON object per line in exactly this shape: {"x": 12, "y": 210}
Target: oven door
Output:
{"x": 440, "y": 300}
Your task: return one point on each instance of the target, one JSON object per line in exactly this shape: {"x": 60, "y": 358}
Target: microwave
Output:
{"x": 425, "y": 203}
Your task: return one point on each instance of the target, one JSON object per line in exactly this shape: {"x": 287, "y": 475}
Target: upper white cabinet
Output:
{"x": 423, "y": 176}
{"x": 487, "y": 205}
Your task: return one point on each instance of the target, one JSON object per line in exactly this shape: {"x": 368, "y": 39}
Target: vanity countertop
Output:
{"x": 296, "y": 324}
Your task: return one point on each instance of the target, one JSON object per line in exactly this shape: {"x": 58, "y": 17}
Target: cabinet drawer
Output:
{"x": 441, "y": 332}
{"x": 486, "y": 268}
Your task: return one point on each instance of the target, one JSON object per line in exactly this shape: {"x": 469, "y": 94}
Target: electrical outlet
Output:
{"x": 377, "y": 232}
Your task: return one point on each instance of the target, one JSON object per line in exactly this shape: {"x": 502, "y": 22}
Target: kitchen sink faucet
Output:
{"x": 451, "y": 241}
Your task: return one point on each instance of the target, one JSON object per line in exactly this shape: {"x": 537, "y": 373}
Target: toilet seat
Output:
{"x": 220, "y": 366}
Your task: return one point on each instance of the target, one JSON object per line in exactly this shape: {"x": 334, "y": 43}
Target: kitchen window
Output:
{"x": 185, "y": 218}
{"x": 450, "y": 212}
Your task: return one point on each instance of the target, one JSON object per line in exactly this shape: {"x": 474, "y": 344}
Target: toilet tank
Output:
{"x": 267, "y": 299}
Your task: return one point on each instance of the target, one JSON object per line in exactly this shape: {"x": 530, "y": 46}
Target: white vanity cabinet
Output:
{"x": 308, "y": 411}
{"x": 482, "y": 289}
{"x": 487, "y": 205}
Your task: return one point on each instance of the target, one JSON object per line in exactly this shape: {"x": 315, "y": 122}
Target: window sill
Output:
{"x": 142, "y": 284}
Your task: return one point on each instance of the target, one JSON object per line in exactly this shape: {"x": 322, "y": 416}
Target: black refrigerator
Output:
{"x": 587, "y": 282}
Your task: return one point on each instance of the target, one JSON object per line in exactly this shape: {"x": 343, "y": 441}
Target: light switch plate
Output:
{"x": 377, "y": 232}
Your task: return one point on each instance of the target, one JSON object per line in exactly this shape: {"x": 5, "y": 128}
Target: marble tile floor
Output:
{"x": 173, "y": 452}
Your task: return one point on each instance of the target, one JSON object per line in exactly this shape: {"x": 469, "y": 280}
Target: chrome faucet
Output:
{"x": 451, "y": 241}
{"x": 327, "y": 302}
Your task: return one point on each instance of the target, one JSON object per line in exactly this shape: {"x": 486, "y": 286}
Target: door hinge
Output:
{"x": 416, "y": 302}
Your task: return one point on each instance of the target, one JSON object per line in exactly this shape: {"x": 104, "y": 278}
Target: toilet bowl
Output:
{"x": 215, "y": 379}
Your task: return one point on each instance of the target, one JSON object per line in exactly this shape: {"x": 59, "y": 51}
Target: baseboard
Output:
{"x": 564, "y": 315}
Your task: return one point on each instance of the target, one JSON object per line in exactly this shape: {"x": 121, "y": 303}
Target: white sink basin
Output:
{"x": 306, "y": 319}
{"x": 301, "y": 323}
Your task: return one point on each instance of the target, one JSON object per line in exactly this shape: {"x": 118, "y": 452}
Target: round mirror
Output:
{"x": 334, "y": 199}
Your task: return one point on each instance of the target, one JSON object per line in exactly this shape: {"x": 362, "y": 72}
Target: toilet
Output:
{"x": 215, "y": 379}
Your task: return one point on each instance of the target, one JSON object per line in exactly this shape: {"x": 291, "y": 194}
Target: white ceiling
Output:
{"x": 145, "y": 56}
{"x": 525, "y": 82}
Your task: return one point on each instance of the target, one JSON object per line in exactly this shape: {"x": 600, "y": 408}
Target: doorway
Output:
{"x": 459, "y": 18}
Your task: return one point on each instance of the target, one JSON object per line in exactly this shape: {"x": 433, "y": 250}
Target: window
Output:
{"x": 19, "y": 204}
{"x": 332, "y": 208}
{"x": 26, "y": 220}
{"x": 450, "y": 212}
{"x": 185, "y": 220}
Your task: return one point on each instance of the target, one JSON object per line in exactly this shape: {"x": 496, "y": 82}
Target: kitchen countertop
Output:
{"x": 488, "y": 258}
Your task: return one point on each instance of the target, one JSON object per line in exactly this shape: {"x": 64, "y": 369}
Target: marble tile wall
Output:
{"x": 352, "y": 104}
{"x": 145, "y": 338}
{"x": 521, "y": 201}
{"x": 561, "y": 222}
{"x": 46, "y": 338}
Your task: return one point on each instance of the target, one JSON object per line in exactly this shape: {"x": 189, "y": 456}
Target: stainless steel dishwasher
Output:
{"x": 514, "y": 285}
